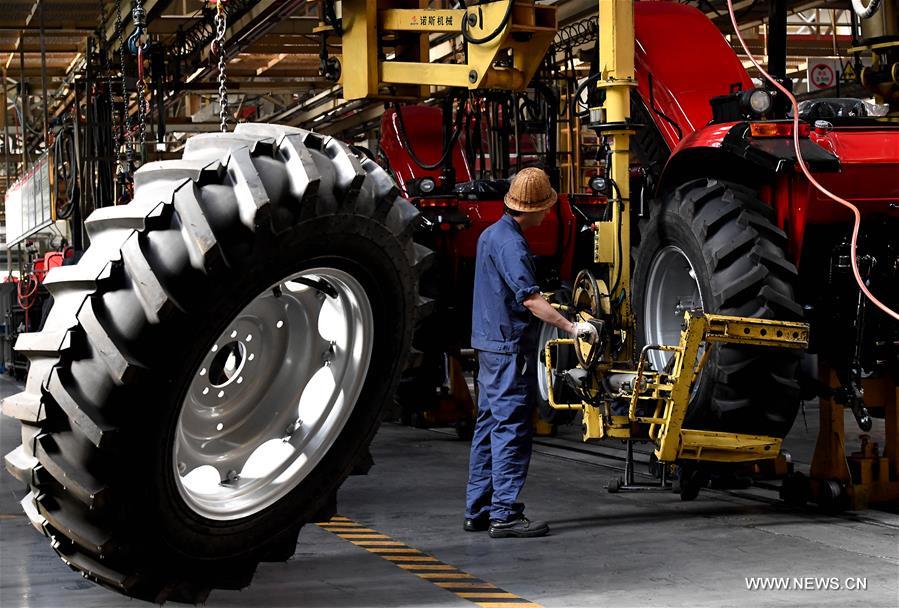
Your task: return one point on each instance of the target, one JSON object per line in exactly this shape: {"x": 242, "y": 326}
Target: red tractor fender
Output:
{"x": 728, "y": 151}
{"x": 857, "y": 162}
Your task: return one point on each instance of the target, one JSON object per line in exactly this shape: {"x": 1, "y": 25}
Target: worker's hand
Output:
{"x": 584, "y": 331}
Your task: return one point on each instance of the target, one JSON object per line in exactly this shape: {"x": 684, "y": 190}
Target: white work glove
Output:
{"x": 584, "y": 331}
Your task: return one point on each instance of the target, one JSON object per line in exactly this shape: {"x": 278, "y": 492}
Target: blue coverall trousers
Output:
{"x": 501, "y": 446}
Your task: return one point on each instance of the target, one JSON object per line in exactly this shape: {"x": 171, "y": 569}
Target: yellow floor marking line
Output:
{"x": 424, "y": 566}
{"x": 457, "y": 585}
{"x": 505, "y": 604}
{"x": 376, "y": 543}
{"x": 488, "y": 595}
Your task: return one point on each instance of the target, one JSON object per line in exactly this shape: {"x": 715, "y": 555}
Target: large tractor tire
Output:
{"x": 216, "y": 364}
{"x": 714, "y": 244}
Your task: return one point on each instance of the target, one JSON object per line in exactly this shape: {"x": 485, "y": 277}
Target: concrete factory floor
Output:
{"x": 605, "y": 549}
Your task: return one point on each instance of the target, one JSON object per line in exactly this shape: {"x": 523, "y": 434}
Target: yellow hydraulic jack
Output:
{"x": 644, "y": 405}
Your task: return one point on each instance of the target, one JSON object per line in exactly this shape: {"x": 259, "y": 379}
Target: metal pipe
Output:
{"x": 777, "y": 39}
{"x": 6, "y": 162}
{"x": 76, "y": 224}
{"x": 6, "y": 129}
{"x": 547, "y": 354}
{"x": 44, "y": 78}
{"x": 23, "y": 87}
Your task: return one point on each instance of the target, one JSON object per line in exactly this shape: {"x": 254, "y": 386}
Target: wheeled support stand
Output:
{"x": 629, "y": 484}
{"x": 853, "y": 481}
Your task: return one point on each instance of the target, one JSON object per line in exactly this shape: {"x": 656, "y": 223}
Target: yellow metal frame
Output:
{"x": 669, "y": 392}
{"x": 616, "y": 64}
{"x": 369, "y": 23}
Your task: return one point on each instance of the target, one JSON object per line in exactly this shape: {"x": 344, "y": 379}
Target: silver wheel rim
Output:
{"x": 273, "y": 393}
{"x": 547, "y": 333}
{"x": 672, "y": 289}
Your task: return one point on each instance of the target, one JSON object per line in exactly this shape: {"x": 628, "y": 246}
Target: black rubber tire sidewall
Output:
{"x": 311, "y": 244}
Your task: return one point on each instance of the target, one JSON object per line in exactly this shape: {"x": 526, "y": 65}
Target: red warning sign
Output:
{"x": 821, "y": 76}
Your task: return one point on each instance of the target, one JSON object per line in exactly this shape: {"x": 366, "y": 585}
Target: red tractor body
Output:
{"x": 460, "y": 217}
{"x": 697, "y": 138}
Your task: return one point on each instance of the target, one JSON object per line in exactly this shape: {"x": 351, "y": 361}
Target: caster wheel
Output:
{"x": 832, "y": 497}
{"x": 691, "y": 481}
{"x": 615, "y": 485}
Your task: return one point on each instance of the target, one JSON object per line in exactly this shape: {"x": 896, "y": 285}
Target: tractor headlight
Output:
{"x": 426, "y": 185}
{"x": 758, "y": 102}
{"x": 599, "y": 184}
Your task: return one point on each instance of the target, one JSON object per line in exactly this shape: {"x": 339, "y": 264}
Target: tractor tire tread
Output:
{"x": 264, "y": 170}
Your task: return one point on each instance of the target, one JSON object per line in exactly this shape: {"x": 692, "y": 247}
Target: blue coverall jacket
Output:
{"x": 504, "y": 335}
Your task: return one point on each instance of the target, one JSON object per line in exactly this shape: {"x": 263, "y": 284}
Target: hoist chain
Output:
{"x": 218, "y": 47}
{"x": 119, "y": 111}
{"x": 138, "y": 16}
{"x": 141, "y": 101}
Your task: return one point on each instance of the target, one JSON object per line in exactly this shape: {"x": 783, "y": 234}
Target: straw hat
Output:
{"x": 530, "y": 191}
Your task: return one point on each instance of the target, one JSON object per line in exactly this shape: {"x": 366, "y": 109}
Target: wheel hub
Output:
{"x": 671, "y": 290}
{"x": 273, "y": 393}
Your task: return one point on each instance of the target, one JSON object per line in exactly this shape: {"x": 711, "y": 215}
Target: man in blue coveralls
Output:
{"x": 507, "y": 304}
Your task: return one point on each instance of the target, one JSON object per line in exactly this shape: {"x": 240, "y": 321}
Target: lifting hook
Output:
{"x": 134, "y": 40}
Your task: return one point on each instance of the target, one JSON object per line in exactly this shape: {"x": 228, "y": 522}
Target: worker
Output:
{"x": 506, "y": 308}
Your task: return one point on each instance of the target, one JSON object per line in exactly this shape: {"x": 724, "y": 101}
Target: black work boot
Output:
{"x": 477, "y": 524}
{"x": 520, "y": 527}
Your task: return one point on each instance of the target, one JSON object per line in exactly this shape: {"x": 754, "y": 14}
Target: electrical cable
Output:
{"x": 21, "y": 116}
{"x": 802, "y": 165}
{"x": 25, "y": 296}
{"x": 401, "y": 130}
{"x": 619, "y": 201}
{"x": 576, "y": 98}
{"x": 496, "y": 32}
{"x": 654, "y": 108}
{"x": 66, "y": 171}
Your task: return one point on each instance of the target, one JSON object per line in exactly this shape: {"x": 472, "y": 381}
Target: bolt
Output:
{"x": 472, "y": 19}
{"x": 328, "y": 355}
{"x": 473, "y": 76}
{"x": 292, "y": 428}
{"x": 182, "y": 467}
{"x": 231, "y": 476}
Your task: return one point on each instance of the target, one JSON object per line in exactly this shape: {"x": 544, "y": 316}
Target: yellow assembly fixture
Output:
{"x": 667, "y": 393}
{"x": 391, "y": 50}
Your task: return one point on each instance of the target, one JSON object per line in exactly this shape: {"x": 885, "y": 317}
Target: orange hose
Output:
{"x": 24, "y": 299}
{"x": 855, "y": 212}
